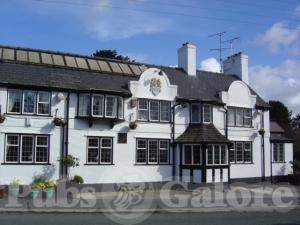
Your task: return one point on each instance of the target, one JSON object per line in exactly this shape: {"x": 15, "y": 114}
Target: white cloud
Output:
{"x": 297, "y": 10}
{"x": 105, "y": 19}
{"x": 280, "y": 36}
{"x": 278, "y": 83}
{"x": 211, "y": 65}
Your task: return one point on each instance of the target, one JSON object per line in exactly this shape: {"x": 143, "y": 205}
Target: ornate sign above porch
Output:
{"x": 155, "y": 86}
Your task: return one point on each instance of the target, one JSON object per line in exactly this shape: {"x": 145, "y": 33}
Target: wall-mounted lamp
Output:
{"x": 60, "y": 96}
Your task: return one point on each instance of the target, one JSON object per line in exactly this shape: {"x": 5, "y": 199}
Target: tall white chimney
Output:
{"x": 187, "y": 58}
{"x": 237, "y": 64}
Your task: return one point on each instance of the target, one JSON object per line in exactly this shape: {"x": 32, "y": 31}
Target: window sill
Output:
{"x": 90, "y": 164}
{"x": 149, "y": 121}
{"x": 241, "y": 163}
{"x": 278, "y": 162}
{"x": 99, "y": 118}
{"x": 28, "y": 115}
{"x": 25, "y": 164}
{"x": 137, "y": 164}
{"x": 232, "y": 126}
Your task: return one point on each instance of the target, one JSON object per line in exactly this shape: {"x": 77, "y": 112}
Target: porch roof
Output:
{"x": 202, "y": 133}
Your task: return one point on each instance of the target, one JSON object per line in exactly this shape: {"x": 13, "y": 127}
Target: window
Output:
{"x": 154, "y": 110}
{"x": 84, "y": 105}
{"x": 195, "y": 113}
{"x": 29, "y": 102}
{"x": 122, "y": 138}
{"x": 14, "y": 101}
{"x": 192, "y": 155}
{"x": 152, "y": 151}
{"x": 111, "y": 106}
{"x": 207, "y": 114}
{"x": 216, "y": 155}
{"x": 120, "y": 108}
{"x": 240, "y": 152}
{"x": 239, "y": 117}
{"x": 43, "y": 103}
{"x": 98, "y": 105}
{"x": 142, "y": 109}
{"x": 278, "y": 152}
{"x": 165, "y": 111}
{"x": 99, "y": 150}
{"x": 29, "y": 98}
{"x": 27, "y": 148}
{"x": 141, "y": 152}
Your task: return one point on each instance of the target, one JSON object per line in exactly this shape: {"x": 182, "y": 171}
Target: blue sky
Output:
{"x": 152, "y": 30}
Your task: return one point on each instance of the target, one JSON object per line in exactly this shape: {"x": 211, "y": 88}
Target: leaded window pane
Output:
{"x": 247, "y": 152}
{"x": 29, "y": 98}
{"x": 216, "y": 154}
{"x": 120, "y": 108}
{"x": 152, "y": 151}
{"x": 98, "y": 105}
{"x": 239, "y": 152}
{"x": 14, "y": 101}
{"x": 239, "y": 117}
{"x": 111, "y": 106}
{"x": 141, "y": 154}
{"x": 84, "y": 105}
{"x": 93, "y": 150}
{"x": 187, "y": 154}
{"x": 27, "y": 149}
{"x": 142, "y": 109}
{"x": 210, "y": 155}
{"x": 165, "y": 111}
{"x": 196, "y": 155}
{"x": 247, "y": 117}
{"x": 154, "y": 110}
{"x": 43, "y": 105}
{"x": 207, "y": 113}
{"x": 281, "y": 153}
{"x": 231, "y": 116}
{"x": 223, "y": 154}
{"x": 12, "y": 148}
{"x": 41, "y": 155}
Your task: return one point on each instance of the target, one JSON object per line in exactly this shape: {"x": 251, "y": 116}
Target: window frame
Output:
{"x": 220, "y": 155}
{"x": 42, "y": 146}
{"x": 210, "y": 114}
{"x": 19, "y": 161}
{"x": 192, "y": 155}
{"x": 6, "y": 145}
{"x": 160, "y": 111}
{"x": 147, "y": 162}
{"x": 243, "y": 143}
{"x": 99, "y": 150}
{"x": 278, "y": 144}
{"x": 92, "y": 105}
{"x": 36, "y": 102}
{"x": 116, "y": 104}
{"x": 199, "y": 113}
{"x": 148, "y": 102}
{"x": 235, "y": 124}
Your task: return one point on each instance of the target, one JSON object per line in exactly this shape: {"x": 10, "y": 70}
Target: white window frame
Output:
{"x": 41, "y": 146}
{"x": 247, "y": 150}
{"x": 146, "y": 150}
{"x": 233, "y": 111}
{"x": 236, "y": 117}
{"x": 38, "y": 102}
{"x": 199, "y": 112}
{"x": 163, "y": 149}
{"x": 80, "y": 107}
{"x": 93, "y": 147}
{"x": 220, "y": 155}
{"x": 92, "y": 105}
{"x": 116, "y": 106}
{"x": 23, "y": 102}
{"x": 157, "y": 144}
{"x": 278, "y": 153}
{"x": 120, "y": 107}
{"x": 143, "y": 109}
{"x": 110, "y": 148}
{"x": 192, "y": 155}
{"x": 248, "y": 117}
{"x": 210, "y": 113}
{"x": 236, "y": 155}
{"x": 32, "y": 148}
{"x": 13, "y": 145}
{"x": 158, "y": 110}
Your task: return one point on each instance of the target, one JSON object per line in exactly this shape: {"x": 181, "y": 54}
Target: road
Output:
{"x": 230, "y": 218}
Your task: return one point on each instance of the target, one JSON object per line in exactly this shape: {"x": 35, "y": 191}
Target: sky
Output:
{"x": 151, "y": 31}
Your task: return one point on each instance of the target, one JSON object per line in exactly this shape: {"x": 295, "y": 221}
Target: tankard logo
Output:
{"x": 155, "y": 86}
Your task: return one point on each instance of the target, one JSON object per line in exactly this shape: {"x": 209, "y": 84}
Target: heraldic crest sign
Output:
{"x": 155, "y": 86}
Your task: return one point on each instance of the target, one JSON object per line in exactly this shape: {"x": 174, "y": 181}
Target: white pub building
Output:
{"x": 133, "y": 122}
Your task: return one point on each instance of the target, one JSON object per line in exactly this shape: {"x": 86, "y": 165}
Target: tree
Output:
{"x": 111, "y": 54}
{"x": 281, "y": 114}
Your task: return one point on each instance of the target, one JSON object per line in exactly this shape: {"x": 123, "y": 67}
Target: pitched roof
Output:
{"x": 206, "y": 133}
{"x": 275, "y": 127}
{"x": 49, "y": 69}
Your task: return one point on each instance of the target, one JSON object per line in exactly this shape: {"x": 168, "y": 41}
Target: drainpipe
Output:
{"x": 262, "y": 133}
{"x": 173, "y": 139}
{"x": 271, "y": 155}
{"x": 226, "y": 135}
{"x": 66, "y": 126}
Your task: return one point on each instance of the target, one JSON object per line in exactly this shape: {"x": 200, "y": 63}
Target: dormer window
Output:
{"x": 239, "y": 117}
{"x": 207, "y": 113}
{"x": 99, "y": 105}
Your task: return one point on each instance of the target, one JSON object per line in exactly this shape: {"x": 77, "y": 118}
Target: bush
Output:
{"x": 77, "y": 179}
{"x": 296, "y": 166}
{"x": 69, "y": 161}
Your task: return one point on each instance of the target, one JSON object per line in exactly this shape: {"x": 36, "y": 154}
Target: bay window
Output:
{"x": 27, "y": 149}
{"x": 153, "y": 110}
{"x": 192, "y": 155}
{"x": 195, "y": 113}
{"x": 152, "y": 151}
{"x": 29, "y": 102}
{"x": 207, "y": 114}
{"x": 216, "y": 155}
{"x": 99, "y": 105}
{"x": 99, "y": 150}
{"x": 240, "y": 117}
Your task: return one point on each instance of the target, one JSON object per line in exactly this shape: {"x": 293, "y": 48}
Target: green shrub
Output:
{"x": 77, "y": 179}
